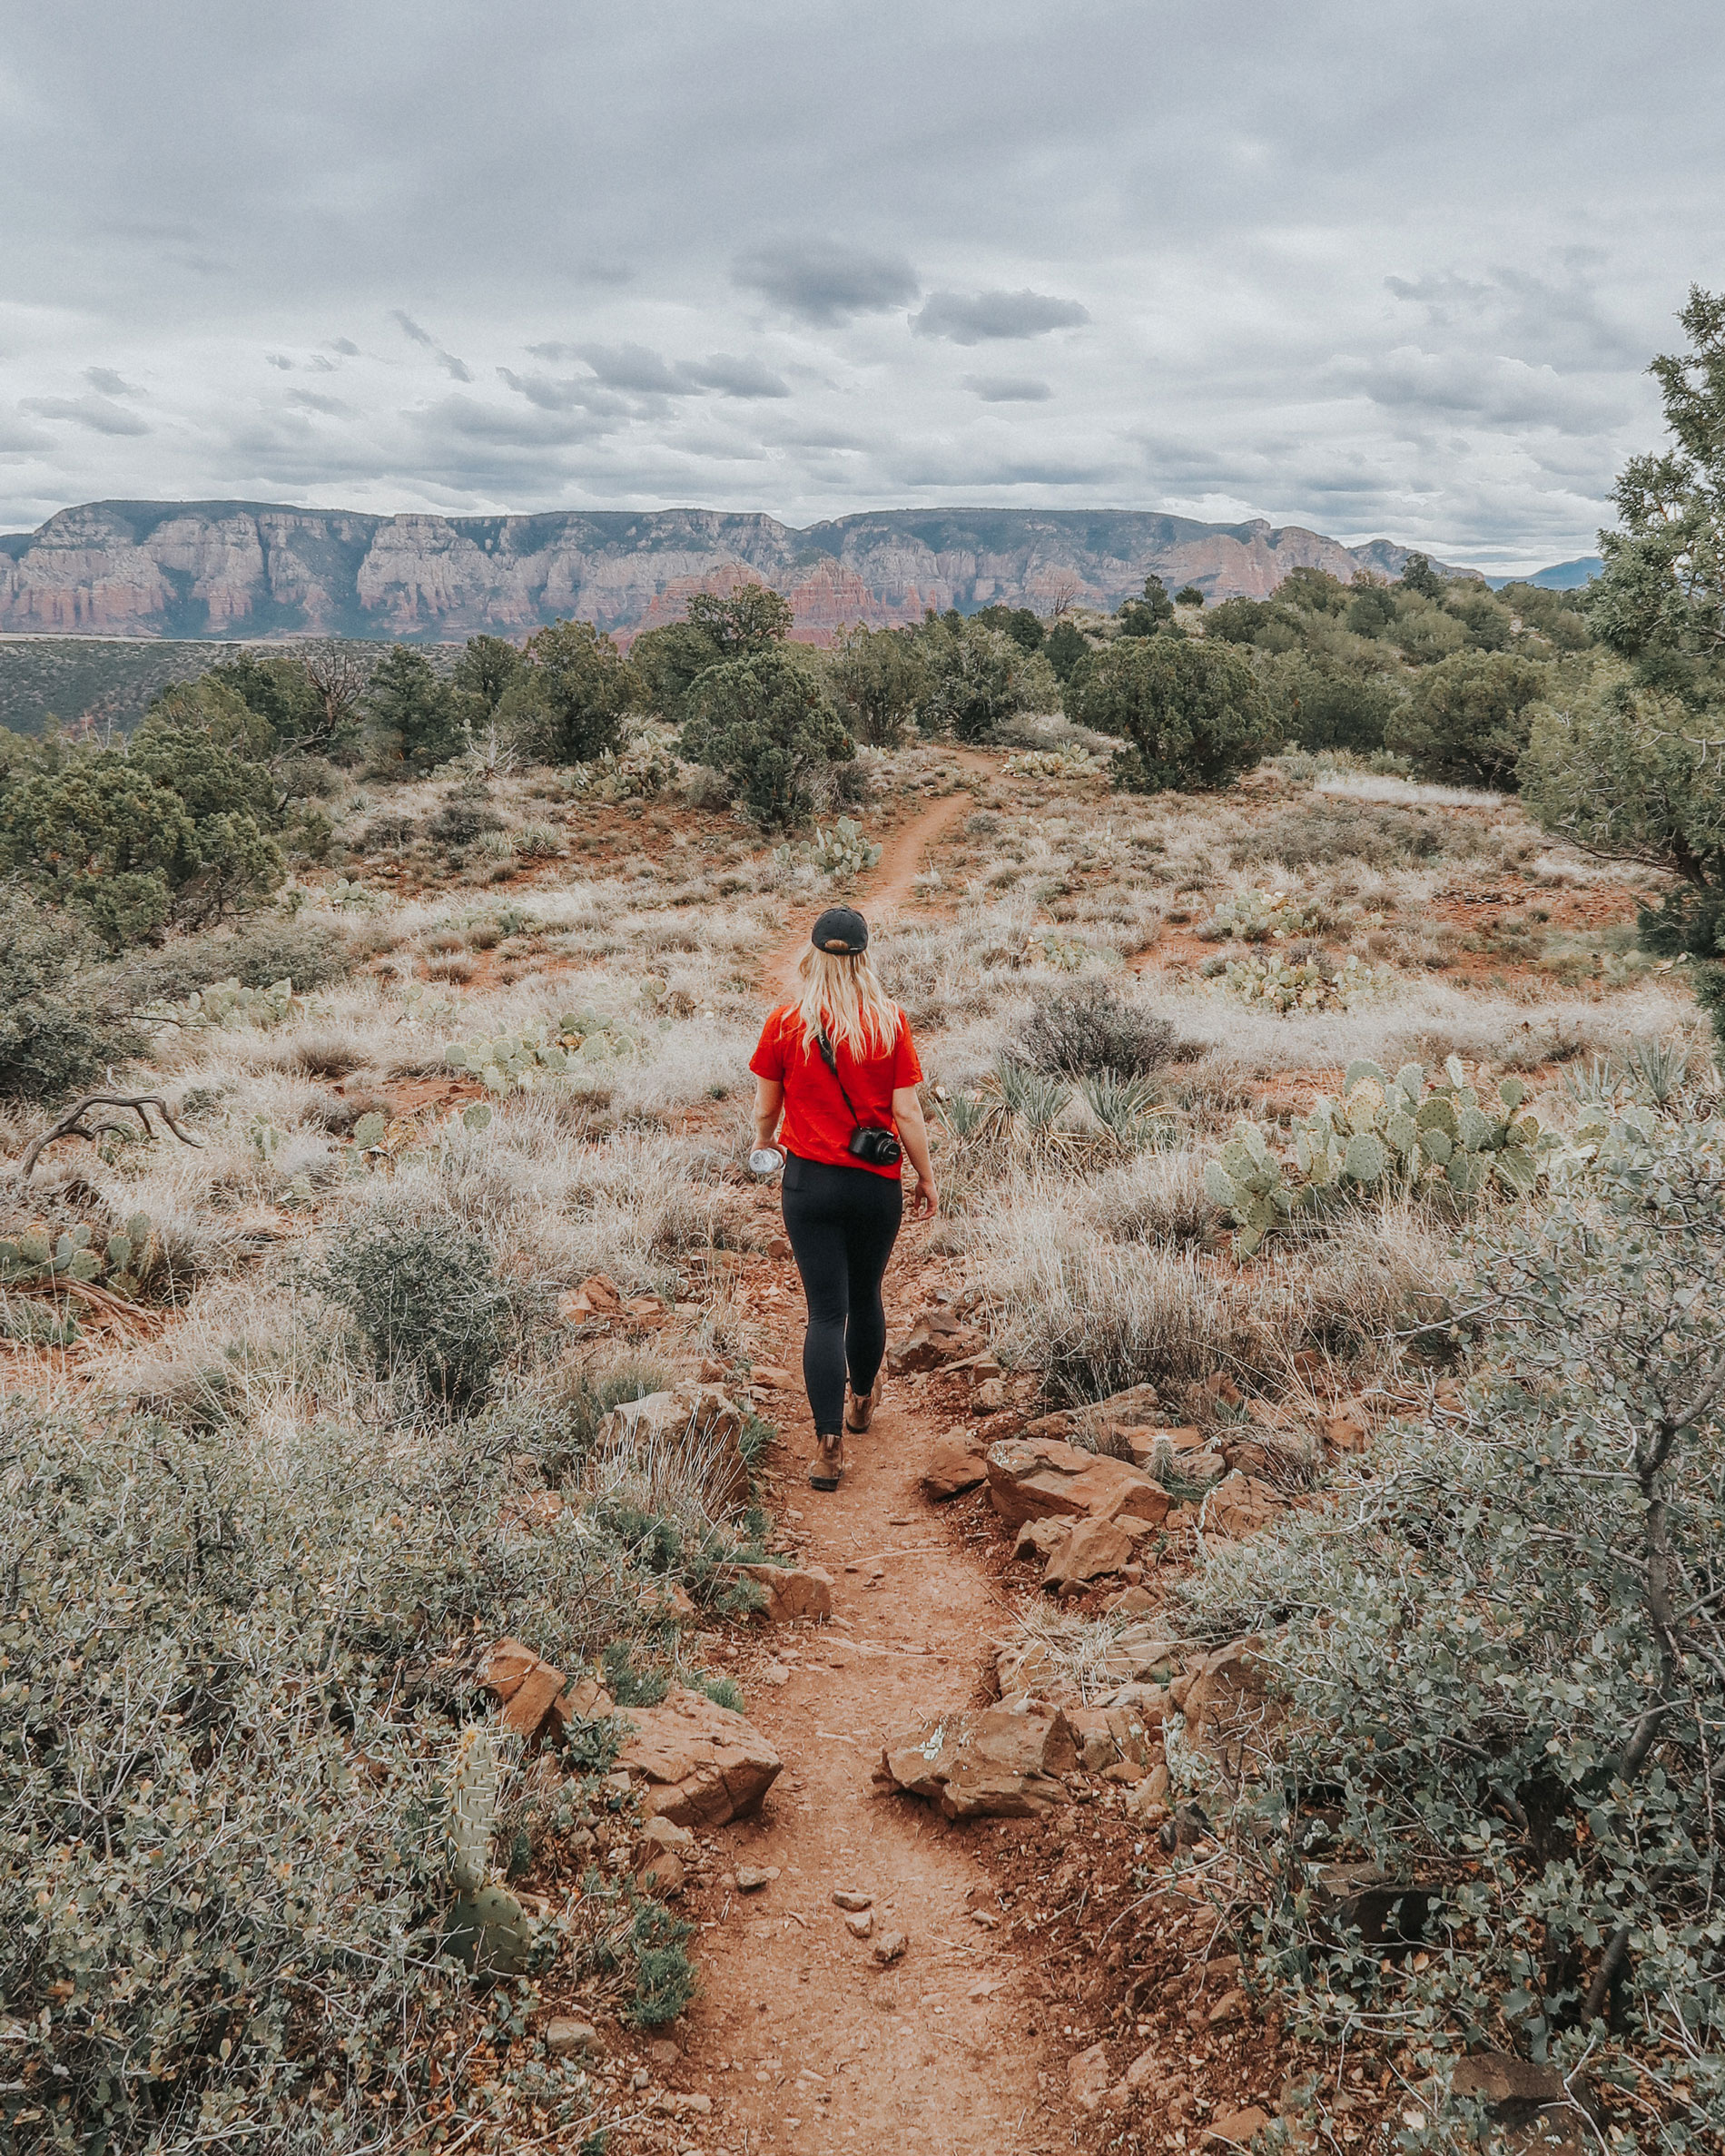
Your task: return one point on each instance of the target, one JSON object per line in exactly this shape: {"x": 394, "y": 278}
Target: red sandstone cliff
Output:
{"x": 233, "y": 568}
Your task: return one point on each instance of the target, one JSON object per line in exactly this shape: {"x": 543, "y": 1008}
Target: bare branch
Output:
{"x": 73, "y": 1124}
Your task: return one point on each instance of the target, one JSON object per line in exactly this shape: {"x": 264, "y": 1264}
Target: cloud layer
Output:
{"x": 1351, "y": 267}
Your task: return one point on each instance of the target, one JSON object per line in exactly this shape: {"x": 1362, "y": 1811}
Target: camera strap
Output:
{"x": 832, "y": 1062}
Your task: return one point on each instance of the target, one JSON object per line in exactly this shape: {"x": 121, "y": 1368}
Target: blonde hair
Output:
{"x": 842, "y": 998}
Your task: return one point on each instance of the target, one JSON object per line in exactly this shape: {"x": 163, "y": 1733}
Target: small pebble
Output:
{"x": 847, "y": 1897}
{"x": 859, "y": 1923}
{"x": 890, "y": 1948}
{"x": 751, "y": 1877}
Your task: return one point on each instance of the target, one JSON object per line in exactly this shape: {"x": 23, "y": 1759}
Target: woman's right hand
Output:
{"x": 925, "y": 1200}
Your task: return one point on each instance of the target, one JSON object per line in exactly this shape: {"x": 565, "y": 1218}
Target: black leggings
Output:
{"x": 843, "y": 1223}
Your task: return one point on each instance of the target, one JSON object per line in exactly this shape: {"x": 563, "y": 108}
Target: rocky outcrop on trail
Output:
{"x": 1032, "y": 1478}
{"x": 695, "y": 1763}
{"x": 1004, "y": 1762}
{"x": 255, "y": 569}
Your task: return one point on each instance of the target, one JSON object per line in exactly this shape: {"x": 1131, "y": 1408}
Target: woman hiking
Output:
{"x": 840, "y": 1067}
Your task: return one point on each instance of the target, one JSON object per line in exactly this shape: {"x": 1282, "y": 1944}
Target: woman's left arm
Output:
{"x": 913, "y": 1135}
{"x": 769, "y": 1104}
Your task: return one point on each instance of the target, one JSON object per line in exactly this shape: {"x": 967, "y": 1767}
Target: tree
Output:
{"x": 742, "y": 622}
{"x": 1624, "y": 770}
{"x": 1152, "y": 615}
{"x": 1019, "y": 623}
{"x": 567, "y": 702}
{"x": 1419, "y": 576}
{"x": 1662, "y": 591}
{"x": 1192, "y": 713}
{"x": 1372, "y": 609}
{"x": 1468, "y": 720}
{"x": 766, "y": 723}
{"x": 177, "y": 829}
{"x": 487, "y": 666}
{"x": 1067, "y": 645}
{"x": 978, "y": 678}
{"x": 337, "y": 673}
{"x": 879, "y": 681}
{"x": 1188, "y": 595}
{"x": 668, "y": 661}
{"x": 279, "y": 691}
{"x": 1313, "y": 591}
{"x": 416, "y": 715}
{"x": 1321, "y": 704}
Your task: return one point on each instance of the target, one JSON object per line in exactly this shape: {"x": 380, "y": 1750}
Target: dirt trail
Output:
{"x": 887, "y": 883}
{"x": 803, "y": 2040}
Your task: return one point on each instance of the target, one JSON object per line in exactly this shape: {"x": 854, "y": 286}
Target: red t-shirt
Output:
{"x": 817, "y": 1125}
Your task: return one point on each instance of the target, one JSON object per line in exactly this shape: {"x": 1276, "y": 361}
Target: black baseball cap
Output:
{"x": 842, "y": 930}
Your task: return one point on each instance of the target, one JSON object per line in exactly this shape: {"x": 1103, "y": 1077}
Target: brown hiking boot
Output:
{"x": 860, "y": 1411}
{"x": 828, "y": 1463}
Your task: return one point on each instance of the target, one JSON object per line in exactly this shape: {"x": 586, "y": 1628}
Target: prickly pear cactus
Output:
{"x": 475, "y": 1788}
{"x": 517, "y": 1062}
{"x": 33, "y": 1257}
{"x": 1384, "y": 1136}
{"x": 489, "y": 1931}
{"x": 226, "y": 1004}
{"x": 128, "y": 1257}
{"x": 1248, "y": 1182}
{"x": 1262, "y": 917}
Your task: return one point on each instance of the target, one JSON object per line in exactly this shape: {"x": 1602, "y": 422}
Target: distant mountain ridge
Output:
{"x": 250, "y": 570}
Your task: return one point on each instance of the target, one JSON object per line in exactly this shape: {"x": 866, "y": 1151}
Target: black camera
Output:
{"x": 880, "y": 1148}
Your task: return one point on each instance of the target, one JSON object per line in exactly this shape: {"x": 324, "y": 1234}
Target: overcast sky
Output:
{"x": 1381, "y": 270}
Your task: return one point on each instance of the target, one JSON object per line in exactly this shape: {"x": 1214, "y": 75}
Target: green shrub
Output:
{"x": 879, "y": 681}
{"x": 176, "y": 828}
{"x": 416, "y": 717}
{"x": 1191, "y": 710}
{"x": 261, "y": 950}
{"x": 1087, "y": 1029}
{"x": 765, "y": 722}
{"x": 979, "y": 677}
{"x": 664, "y": 1980}
{"x": 427, "y": 1301}
{"x": 1504, "y": 1684}
{"x": 567, "y": 701}
{"x": 62, "y": 1022}
{"x": 1327, "y": 707}
{"x": 1066, "y": 645}
{"x": 1468, "y": 719}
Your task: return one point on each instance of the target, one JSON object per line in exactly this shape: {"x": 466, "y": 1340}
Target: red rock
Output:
{"x": 1033, "y": 1479}
{"x": 1090, "y": 1551}
{"x": 1088, "y": 2077}
{"x": 1235, "y": 2130}
{"x": 699, "y": 1764}
{"x": 1239, "y": 1506}
{"x": 1003, "y": 1762}
{"x": 791, "y": 1591}
{"x": 956, "y": 1463}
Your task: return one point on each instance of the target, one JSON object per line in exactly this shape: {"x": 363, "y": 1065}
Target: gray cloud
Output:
{"x": 457, "y": 369}
{"x": 97, "y": 413}
{"x": 632, "y": 367}
{"x": 732, "y": 377}
{"x": 825, "y": 282}
{"x": 109, "y": 383}
{"x": 1008, "y": 389}
{"x": 980, "y": 317}
{"x": 1319, "y": 291}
